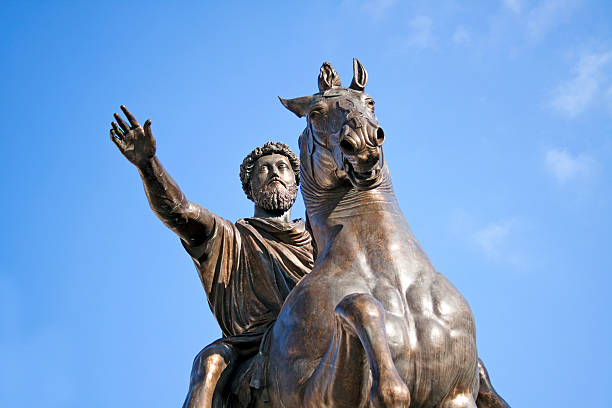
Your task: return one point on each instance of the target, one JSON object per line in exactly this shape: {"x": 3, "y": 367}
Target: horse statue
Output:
{"x": 374, "y": 324}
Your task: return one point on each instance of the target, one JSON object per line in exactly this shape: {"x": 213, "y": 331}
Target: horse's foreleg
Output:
{"x": 366, "y": 317}
{"x": 487, "y": 397}
{"x": 341, "y": 378}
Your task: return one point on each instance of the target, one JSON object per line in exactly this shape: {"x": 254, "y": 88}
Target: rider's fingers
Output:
{"x": 122, "y": 123}
{"x": 147, "y": 127}
{"x": 118, "y": 132}
{"x": 115, "y": 138}
{"x": 130, "y": 117}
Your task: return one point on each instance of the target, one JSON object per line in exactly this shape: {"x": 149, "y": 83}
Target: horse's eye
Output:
{"x": 316, "y": 112}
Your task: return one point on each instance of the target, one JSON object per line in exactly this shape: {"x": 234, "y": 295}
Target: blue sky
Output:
{"x": 498, "y": 129}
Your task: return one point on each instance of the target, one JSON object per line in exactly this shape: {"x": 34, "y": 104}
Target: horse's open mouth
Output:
{"x": 362, "y": 179}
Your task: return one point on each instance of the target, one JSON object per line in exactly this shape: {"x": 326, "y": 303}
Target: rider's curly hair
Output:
{"x": 248, "y": 163}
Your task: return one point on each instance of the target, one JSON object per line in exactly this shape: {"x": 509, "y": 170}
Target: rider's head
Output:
{"x": 270, "y": 176}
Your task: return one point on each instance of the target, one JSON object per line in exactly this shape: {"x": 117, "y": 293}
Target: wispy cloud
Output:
{"x": 492, "y": 237}
{"x": 461, "y": 36}
{"x": 566, "y": 167}
{"x": 515, "y": 5}
{"x": 547, "y": 15}
{"x": 573, "y": 96}
{"x": 421, "y": 32}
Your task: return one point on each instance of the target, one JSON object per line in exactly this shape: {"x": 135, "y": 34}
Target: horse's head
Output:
{"x": 342, "y": 139}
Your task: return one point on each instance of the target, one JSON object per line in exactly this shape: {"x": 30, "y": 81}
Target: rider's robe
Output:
{"x": 247, "y": 270}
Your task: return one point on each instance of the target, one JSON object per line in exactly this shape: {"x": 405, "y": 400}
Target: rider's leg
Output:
{"x": 341, "y": 378}
{"x": 487, "y": 397}
{"x": 211, "y": 370}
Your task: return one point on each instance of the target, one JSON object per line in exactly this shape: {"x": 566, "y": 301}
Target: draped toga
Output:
{"x": 247, "y": 270}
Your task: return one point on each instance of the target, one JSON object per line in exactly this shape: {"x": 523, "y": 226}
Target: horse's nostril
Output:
{"x": 346, "y": 146}
{"x": 380, "y": 136}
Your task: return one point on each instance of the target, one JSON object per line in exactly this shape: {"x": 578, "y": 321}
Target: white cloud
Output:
{"x": 492, "y": 237}
{"x": 548, "y": 14}
{"x": 515, "y": 5}
{"x": 565, "y": 167}
{"x": 461, "y": 35}
{"x": 421, "y": 32}
{"x": 573, "y": 96}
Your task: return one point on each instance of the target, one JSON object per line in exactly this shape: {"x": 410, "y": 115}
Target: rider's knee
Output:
{"x": 216, "y": 350}
{"x": 213, "y": 357}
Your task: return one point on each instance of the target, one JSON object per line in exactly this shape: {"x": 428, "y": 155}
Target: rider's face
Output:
{"x": 273, "y": 184}
{"x": 272, "y": 171}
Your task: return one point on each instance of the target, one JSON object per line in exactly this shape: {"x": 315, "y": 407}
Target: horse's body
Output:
{"x": 374, "y": 324}
{"x": 428, "y": 325}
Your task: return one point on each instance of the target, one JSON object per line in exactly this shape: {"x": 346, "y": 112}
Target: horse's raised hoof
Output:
{"x": 393, "y": 393}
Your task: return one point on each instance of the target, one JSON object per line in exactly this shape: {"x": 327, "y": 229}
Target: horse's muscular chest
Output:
{"x": 421, "y": 306}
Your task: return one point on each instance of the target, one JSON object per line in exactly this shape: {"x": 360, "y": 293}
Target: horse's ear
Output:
{"x": 328, "y": 77}
{"x": 299, "y": 106}
{"x": 360, "y": 76}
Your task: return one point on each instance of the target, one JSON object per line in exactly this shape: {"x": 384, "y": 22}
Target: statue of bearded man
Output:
{"x": 247, "y": 268}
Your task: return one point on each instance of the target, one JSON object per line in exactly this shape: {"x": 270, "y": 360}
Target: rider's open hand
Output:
{"x": 135, "y": 142}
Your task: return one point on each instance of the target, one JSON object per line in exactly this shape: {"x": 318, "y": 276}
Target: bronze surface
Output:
{"x": 247, "y": 268}
{"x": 372, "y": 325}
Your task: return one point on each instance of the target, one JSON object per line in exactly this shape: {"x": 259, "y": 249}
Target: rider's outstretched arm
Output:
{"x": 188, "y": 220}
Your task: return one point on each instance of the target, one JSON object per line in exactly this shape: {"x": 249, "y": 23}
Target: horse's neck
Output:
{"x": 345, "y": 206}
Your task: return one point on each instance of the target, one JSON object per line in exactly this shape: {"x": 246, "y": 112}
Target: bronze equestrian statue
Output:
{"x": 247, "y": 268}
{"x": 374, "y": 324}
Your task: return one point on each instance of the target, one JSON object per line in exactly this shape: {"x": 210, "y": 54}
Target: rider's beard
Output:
{"x": 276, "y": 198}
